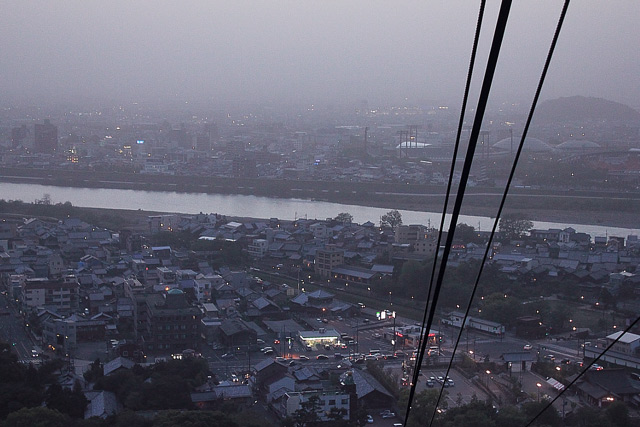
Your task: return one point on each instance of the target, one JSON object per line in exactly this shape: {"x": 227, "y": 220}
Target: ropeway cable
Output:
{"x": 501, "y": 24}
{"x": 508, "y": 184}
{"x": 424, "y": 334}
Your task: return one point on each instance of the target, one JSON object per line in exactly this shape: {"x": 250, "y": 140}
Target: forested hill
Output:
{"x": 580, "y": 108}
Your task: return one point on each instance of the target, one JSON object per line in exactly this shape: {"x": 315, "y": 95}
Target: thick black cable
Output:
{"x": 508, "y": 184}
{"x": 552, "y": 401}
{"x": 496, "y": 44}
{"x": 425, "y": 334}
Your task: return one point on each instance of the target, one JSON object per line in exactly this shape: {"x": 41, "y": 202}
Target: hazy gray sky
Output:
{"x": 307, "y": 51}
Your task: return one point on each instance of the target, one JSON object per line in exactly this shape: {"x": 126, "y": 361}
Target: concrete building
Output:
{"x": 171, "y": 325}
{"x": 60, "y": 296}
{"x": 258, "y": 248}
{"x": 45, "y": 138}
{"x": 327, "y": 259}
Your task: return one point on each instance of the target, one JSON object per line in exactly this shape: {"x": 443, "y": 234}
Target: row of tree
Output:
{"x": 391, "y": 219}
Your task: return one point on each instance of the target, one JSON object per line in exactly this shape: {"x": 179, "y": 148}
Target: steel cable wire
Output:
{"x": 424, "y": 334}
{"x": 496, "y": 44}
{"x": 508, "y": 184}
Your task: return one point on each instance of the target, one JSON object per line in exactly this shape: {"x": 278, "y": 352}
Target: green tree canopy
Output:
{"x": 514, "y": 226}
{"x": 307, "y": 415}
{"x": 344, "y": 217}
{"x": 70, "y": 402}
{"x": 391, "y": 219}
{"x": 422, "y": 407}
{"x": 37, "y": 417}
{"x": 194, "y": 419}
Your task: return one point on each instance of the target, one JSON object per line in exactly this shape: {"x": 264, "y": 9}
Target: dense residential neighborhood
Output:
{"x": 275, "y": 309}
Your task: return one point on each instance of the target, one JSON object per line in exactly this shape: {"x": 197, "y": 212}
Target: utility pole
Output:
{"x": 357, "y": 338}
{"x": 394, "y": 333}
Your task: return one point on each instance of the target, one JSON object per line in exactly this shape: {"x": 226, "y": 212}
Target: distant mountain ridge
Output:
{"x": 581, "y": 108}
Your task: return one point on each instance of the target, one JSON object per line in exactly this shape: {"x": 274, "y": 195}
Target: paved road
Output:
{"x": 13, "y": 330}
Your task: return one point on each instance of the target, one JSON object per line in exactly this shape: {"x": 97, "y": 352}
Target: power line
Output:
{"x": 424, "y": 334}
{"x": 508, "y": 184}
{"x": 501, "y": 24}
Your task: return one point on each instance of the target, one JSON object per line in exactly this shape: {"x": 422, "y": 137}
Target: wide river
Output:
{"x": 250, "y": 206}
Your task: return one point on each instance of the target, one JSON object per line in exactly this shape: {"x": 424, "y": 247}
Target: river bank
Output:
{"x": 419, "y": 209}
{"x": 601, "y": 208}
{"x": 137, "y": 219}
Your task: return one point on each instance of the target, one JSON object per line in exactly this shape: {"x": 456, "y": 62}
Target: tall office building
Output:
{"x": 19, "y": 135}
{"x": 46, "y": 138}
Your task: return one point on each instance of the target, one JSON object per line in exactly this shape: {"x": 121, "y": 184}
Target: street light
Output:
{"x": 538, "y": 385}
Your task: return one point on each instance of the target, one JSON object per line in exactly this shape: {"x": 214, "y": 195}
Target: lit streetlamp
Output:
{"x": 539, "y": 386}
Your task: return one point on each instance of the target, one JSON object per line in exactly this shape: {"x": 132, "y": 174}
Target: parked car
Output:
{"x": 228, "y": 356}
{"x": 369, "y": 419}
{"x": 389, "y": 415}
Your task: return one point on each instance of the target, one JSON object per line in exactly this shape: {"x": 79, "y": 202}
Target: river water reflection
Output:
{"x": 250, "y": 206}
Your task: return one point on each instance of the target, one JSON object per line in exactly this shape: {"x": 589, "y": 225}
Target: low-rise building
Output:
{"x": 60, "y": 295}
{"x": 258, "y": 248}
{"x": 327, "y": 259}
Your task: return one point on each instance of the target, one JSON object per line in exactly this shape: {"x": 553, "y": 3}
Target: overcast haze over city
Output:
{"x": 285, "y": 52}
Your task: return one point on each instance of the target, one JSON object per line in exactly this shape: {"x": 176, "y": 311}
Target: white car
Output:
{"x": 369, "y": 419}
{"x": 527, "y": 347}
